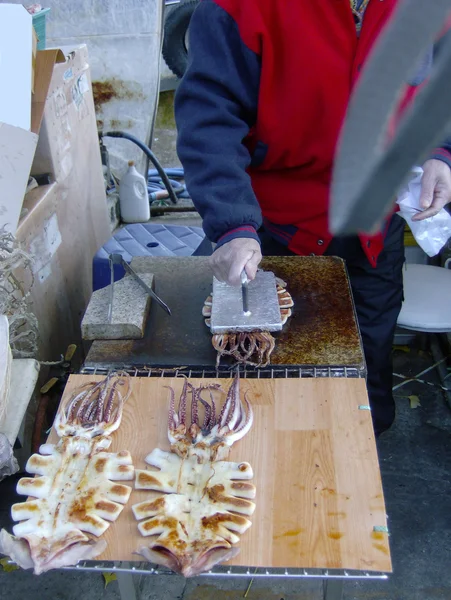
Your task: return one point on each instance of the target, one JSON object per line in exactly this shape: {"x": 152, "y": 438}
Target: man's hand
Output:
{"x": 229, "y": 260}
{"x": 435, "y": 188}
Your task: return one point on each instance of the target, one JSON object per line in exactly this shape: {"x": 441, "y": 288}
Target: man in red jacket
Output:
{"x": 259, "y": 112}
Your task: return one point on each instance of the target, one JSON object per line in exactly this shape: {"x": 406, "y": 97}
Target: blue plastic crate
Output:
{"x": 144, "y": 239}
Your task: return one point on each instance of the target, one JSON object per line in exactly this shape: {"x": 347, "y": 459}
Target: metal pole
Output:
{"x": 333, "y": 589}
{"x": 437, "y": 355}
{"x": 127, "y": 588}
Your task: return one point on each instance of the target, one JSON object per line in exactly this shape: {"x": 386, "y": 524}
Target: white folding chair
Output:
{"x": 427, "y": 308}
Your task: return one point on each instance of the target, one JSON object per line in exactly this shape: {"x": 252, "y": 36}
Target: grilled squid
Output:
{"x": 75, "y": 495}
{"x": 253, "y": 348}
{"x": 204, "y": 502}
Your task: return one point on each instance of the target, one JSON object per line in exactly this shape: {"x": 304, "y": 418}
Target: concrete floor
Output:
{"x": 416, "y": 473}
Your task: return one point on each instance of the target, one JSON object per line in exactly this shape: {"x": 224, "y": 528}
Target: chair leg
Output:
{"x": 424, "y": 341}
{"x": 439, "y": 358}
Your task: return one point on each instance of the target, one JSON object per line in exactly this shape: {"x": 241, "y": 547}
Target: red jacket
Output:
{"x": 275, "y": 76}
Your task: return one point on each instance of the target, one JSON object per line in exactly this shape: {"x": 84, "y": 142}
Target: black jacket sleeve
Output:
{"x": 215, "y": 107}
{"x": 442, "y": 153}
{"x": 420, "y": 76}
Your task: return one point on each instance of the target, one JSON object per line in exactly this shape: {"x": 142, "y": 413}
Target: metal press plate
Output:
{"x": 227, "y": 310}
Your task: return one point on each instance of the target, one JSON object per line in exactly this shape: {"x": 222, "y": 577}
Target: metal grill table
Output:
{"x": 126, "y": 570}
{"x": 322, "y": 331}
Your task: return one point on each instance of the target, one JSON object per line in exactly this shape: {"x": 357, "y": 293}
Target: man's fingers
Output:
{"x": 214, "y": 267}
{"x": 237, "y": 266}
{"x": 219, "y": 268}
{"x": 228, "y": 261}
{"x": 252, "y": 264}
{"x": 428, "y": 184}
{"x": 434, "y": 209}
{"x": 435, "y": 189}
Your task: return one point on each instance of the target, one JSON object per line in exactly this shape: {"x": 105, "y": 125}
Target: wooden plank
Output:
{"x": 319, "y": 491}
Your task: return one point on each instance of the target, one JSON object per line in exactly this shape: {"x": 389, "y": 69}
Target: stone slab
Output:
{"x": 131, "y": 307}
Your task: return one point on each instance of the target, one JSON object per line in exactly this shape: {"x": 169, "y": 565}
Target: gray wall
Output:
{"x": 123, "y": 38}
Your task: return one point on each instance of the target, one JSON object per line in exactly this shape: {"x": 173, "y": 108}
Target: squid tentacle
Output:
{"x": 106, "y": 407}
{"x": 69, "y": 412}
{"x": 241, "y": 416}
{"x": 206, "y": 424}
{"x": 183, "y": 403}
{"x": 172, "y": 422}
{"x": 234, "y": 393}
{"x": 239, "y": 433}
{"x": 224, "y": 411}
{"x": 212, "y": 422}
{"x": 89, "y": 416}
{"x": 103, "y": 394}
{"x": 87, "y": 399}
{"x": 249, "y": 351}
{"x": 195, "y": 406}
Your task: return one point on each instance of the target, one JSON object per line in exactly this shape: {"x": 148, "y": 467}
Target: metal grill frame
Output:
{"x": 144, "y": 568}
{"x": 274, "y": 372}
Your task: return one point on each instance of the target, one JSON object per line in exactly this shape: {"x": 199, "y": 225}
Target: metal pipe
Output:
{"x": 441, "y": 368}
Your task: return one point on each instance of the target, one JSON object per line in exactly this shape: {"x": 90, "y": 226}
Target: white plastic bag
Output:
{"x": 430, "y": 234}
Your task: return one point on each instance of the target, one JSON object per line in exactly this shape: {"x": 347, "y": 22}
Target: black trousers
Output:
{"x": 378, "y": 296}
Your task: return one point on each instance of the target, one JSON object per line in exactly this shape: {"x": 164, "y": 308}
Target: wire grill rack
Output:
{"x": 272, "y": 372}
{"x": 143, "y": 568}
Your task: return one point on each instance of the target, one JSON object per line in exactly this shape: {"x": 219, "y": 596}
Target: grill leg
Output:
{"x": 127, "y": 588}
{"x": 333, "y": 589}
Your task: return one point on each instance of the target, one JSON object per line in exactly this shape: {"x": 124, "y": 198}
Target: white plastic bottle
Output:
{"x": 133, "y": 196}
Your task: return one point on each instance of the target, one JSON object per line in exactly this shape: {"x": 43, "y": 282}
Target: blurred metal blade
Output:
{"x": 368, "y": 171}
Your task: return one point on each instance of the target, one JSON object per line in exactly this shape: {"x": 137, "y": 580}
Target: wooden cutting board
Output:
{"x": 319, "y": 491}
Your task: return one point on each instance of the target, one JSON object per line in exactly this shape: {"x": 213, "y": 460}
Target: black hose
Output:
{"x": 153, "y": 159}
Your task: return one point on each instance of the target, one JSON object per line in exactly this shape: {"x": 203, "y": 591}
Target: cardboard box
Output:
{"x": 41, "y": 235}
{"x": 69, "y": 107}
{"x": 20, "y": 112}
{"x": 17, "y": 147}
{"x": 62, "y": 230}
{"x": 64, "y": 224}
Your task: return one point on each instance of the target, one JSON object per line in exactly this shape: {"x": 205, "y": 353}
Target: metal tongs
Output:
{"x": 116, "y": 259}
